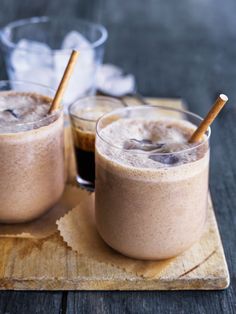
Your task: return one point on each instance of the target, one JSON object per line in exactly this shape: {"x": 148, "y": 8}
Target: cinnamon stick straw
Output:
{"x": 64, "y": 81}
{"x": 210, "y": 117}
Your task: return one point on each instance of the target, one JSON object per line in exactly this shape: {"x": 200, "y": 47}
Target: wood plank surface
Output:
{"x": 28, "y": 264}
{"x": 18, "y": 302}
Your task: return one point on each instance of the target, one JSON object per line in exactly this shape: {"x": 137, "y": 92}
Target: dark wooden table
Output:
{"x": 183, "y": 49}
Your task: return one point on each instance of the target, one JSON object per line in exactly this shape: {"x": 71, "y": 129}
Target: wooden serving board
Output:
{"x": 48, "y": 264}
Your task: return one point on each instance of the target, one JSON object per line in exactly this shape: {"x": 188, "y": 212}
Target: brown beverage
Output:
{"x": 32, "y": 158}
{"x": 84, "y": 143}
{"x": 84, "y": 114}
{"x": 152, "y": 185}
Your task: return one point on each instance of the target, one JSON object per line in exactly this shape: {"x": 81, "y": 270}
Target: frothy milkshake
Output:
{"x": 31, "y": 158}
{"x": 151, "y": 186}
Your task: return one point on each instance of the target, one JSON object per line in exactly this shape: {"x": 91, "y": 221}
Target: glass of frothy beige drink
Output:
{"x": 31, "y": 152}
{"x": 151, "y": 184}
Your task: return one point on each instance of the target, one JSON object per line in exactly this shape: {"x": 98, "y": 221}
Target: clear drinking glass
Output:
{"x": 149, "y": 203}
{"x": 83, "y": 115}
{"x": 38, "y": 49}
{"x": 32, "y": 157}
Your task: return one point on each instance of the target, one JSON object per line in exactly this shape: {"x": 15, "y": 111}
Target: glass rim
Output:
{"x": 104, "y": 98}
{"x": 142, "y": 107}
{"x": 8, "y": 82}
{"x": 44, "y": 19}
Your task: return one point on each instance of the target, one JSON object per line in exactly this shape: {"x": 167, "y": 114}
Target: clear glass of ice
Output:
{"x": 37, "y": 50}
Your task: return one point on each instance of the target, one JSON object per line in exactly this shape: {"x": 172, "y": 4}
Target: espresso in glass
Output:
{"x": 32, "y": 152}
{"x": 151, "y": 184}
{"x": 84, "y": 114}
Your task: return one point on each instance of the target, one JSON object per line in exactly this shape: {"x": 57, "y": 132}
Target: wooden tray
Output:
{"x": 49, "y": 264}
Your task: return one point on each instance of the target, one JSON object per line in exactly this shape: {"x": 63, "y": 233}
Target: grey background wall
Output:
{"x": 181, "y": 48}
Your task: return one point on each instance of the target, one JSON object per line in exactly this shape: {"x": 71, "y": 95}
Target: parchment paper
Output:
{"x": 78, "y": 230}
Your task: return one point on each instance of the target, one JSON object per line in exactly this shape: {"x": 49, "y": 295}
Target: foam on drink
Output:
{"x": 23, "y": 111}
{"x": 150, "y": 144}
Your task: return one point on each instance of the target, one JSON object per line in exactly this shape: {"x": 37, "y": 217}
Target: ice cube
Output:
{"x": 112, "y": 81}
{"x": 75, "y": 40}
{"x": 12, "y": 113}
{"x": 8, "y": 115}
{"x": 31, "y": 61}
{"x": 38, "y": 75}
{"x": 107, "y": 71}
{"x": 28, "y": 54}
{"x": 168, "y": 159}
{"x": 83, "y": 77}
{"x": 144, "y": 144}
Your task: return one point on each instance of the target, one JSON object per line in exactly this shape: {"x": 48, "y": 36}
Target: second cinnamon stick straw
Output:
{"x": 210, "y": 117}
{"x": 64, "y": 81}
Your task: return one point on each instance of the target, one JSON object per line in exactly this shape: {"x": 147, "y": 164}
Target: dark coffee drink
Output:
{"x": 84, "y": 114}
{"x": 85, "y": 164}
{"x": 84, "y": 143}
